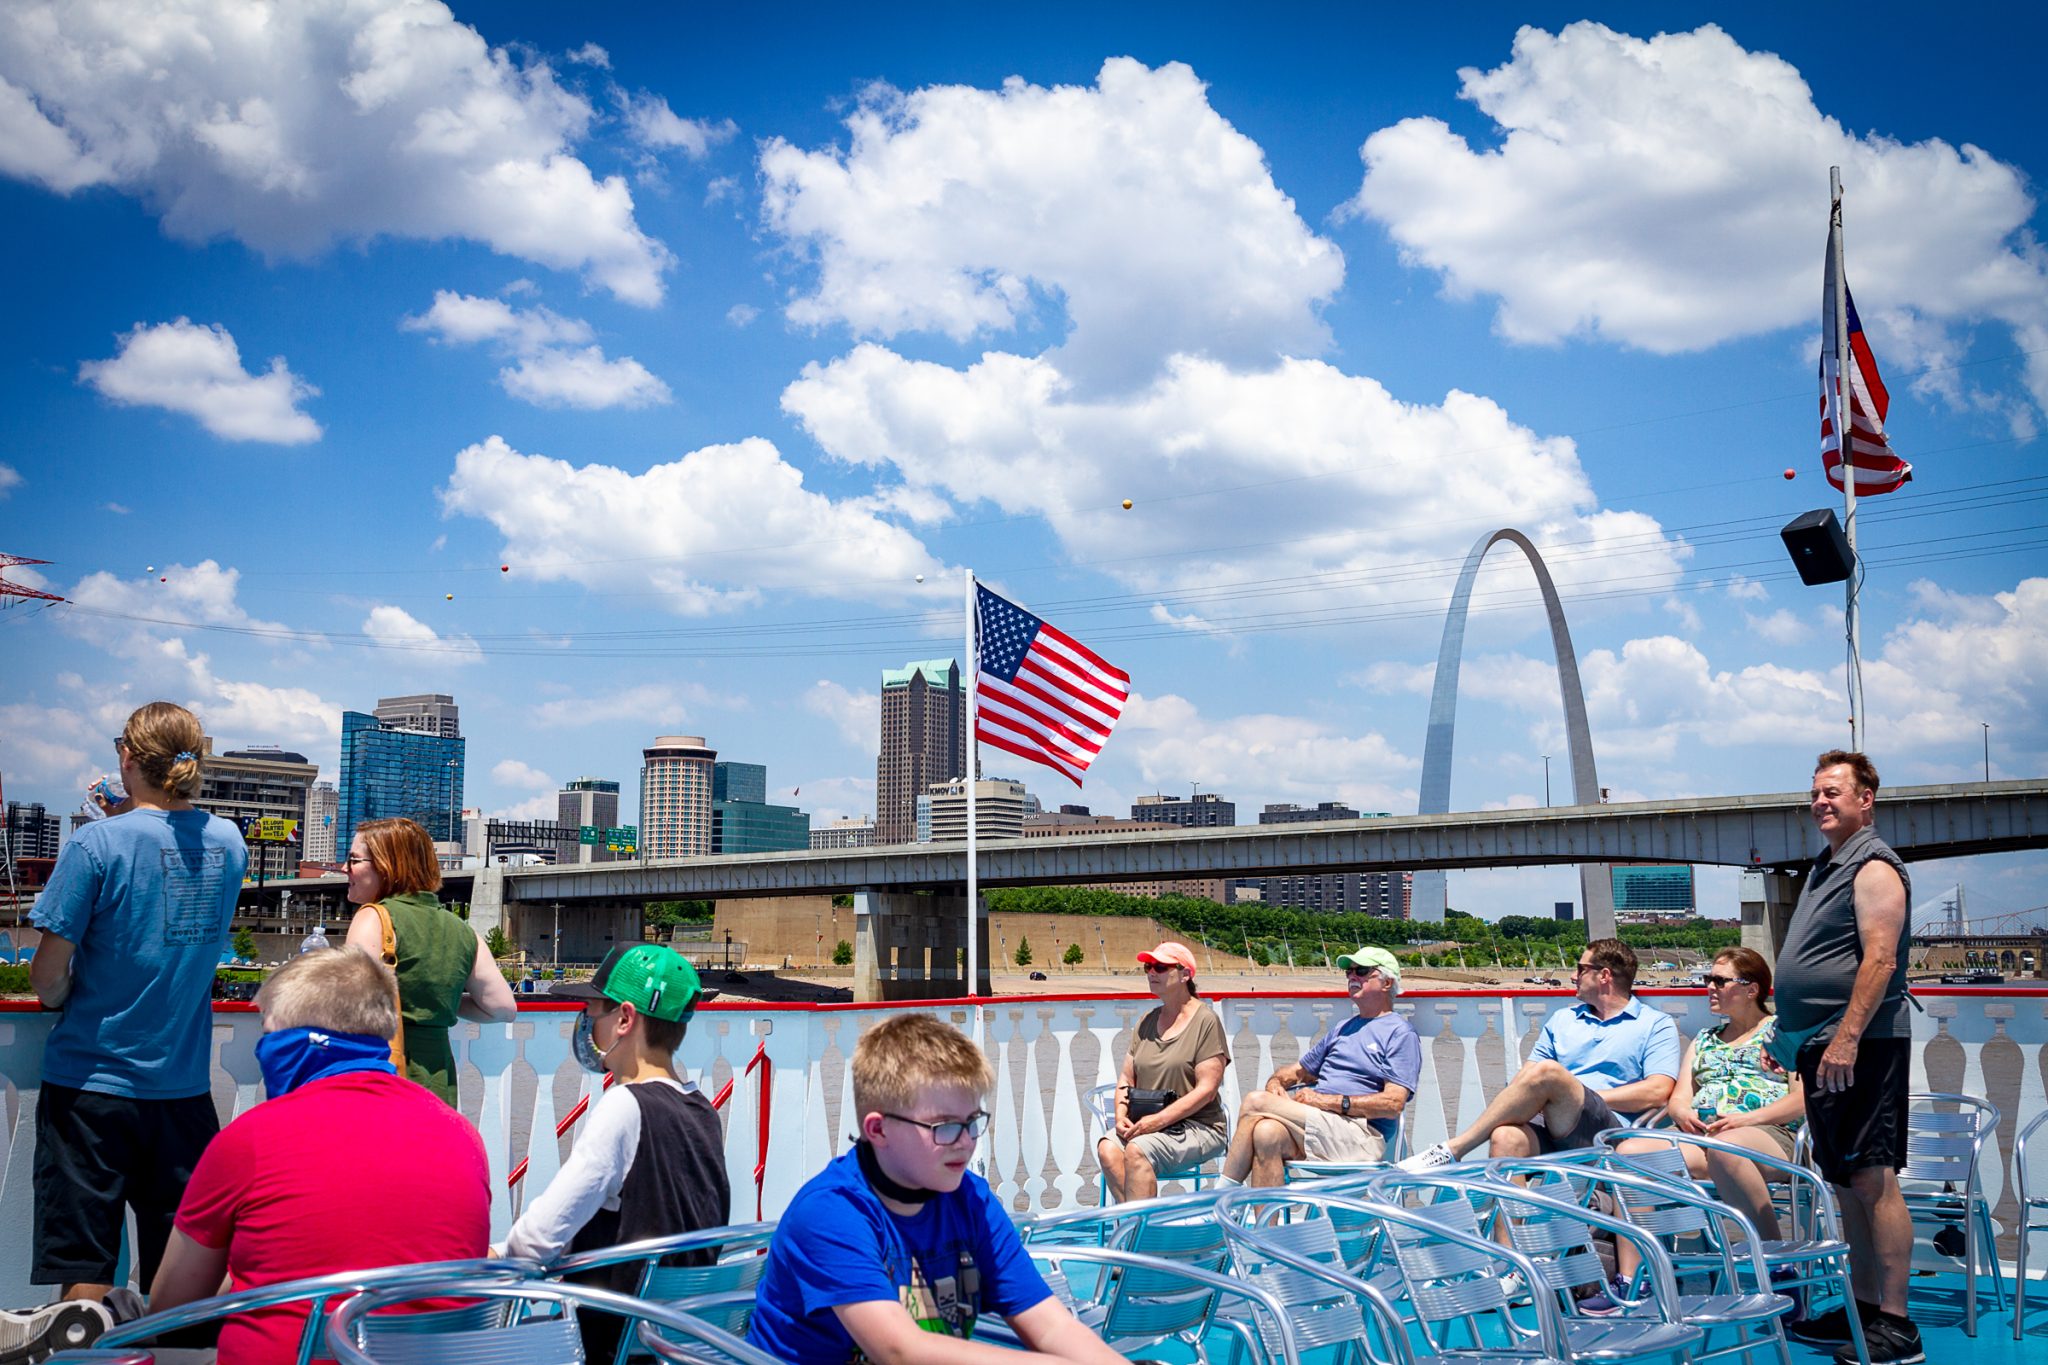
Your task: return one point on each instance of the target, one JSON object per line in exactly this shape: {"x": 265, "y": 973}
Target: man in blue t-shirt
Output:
{"x": 1597, "y": 1064}
{"x": 133, "y": 923}
{"x": 896, "y": 1249}
{"x": 1357, "y": 1078}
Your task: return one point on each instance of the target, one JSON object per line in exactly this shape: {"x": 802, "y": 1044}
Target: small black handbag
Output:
{"x": 1140, "y": 1104}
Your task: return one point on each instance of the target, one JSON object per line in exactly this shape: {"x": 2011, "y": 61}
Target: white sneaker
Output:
{"x": 1517, "y": 1289}
{"x": 30, "y": 1334}
{"x": 1428, "y": 1159}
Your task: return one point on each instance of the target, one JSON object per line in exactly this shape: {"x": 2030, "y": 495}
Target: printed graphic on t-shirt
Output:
{"x": 195, "y": 886}
{"x": 947, "y": 1305}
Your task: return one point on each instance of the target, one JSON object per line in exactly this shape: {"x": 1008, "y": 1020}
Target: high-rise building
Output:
{"x": 589, "y": 802}
{"x": 739, "y": 782}
{"x": 1203, "y": 810}
{"x": 1370, "y": 893}
{"x": 675, "y": 797}
{"x": 32, "y": 832}
{"x": 999, "y": 809}
{"x": 1652, "y": 888}
{"x": 757, "y": 827}
{"x": 433, "y": 712}
{"x": 323, "y": 807}
{"x": 924, "y": 741}
{"x": 390, "y": 770}
{"x": 246, "y": 785}
{"x": 845, "y": 832}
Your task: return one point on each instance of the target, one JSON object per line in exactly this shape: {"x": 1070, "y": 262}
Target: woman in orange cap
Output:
{"x": 1178, "y": 1054}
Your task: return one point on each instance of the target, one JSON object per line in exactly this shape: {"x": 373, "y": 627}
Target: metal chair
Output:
{"x": 1101, "y": 1102}
{"x": 1945, "y": 1137}
{"x": 1135, "y": 1301}
{"x": 352, "y": 1339}
{"x": 739, "y": 1256}
{"x": 1562, "y": 1233}
{"x": 318, "y": 1292}
{"x": 1816, "y": 1253}
{"x": 2033, "y": 1207}
{"x": 1671, "y": 1214}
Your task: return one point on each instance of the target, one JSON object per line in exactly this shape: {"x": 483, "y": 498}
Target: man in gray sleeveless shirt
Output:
{"x": 1843, "y": 1024}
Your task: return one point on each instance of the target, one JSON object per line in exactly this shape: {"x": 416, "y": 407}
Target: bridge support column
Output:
{"x": 912, "y": 947}
{"x": 1767, "y": 901}
{"x": 487, "y": 900}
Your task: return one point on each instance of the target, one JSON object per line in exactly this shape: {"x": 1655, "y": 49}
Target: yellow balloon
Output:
{"x": 451, "y": 597}
{"x": 1127, "y": 504}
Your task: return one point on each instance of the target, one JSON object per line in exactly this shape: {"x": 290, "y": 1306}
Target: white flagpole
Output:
{"x": 1844, "y": 358}
{"x": 971, "y": 678}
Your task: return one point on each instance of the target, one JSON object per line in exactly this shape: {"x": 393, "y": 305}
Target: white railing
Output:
{"x": 520, "y": 1080}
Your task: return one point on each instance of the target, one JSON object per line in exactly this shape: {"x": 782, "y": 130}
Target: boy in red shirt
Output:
{"x": 262, "y": 1208}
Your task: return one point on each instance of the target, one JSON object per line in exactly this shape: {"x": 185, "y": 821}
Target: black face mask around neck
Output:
{"x": 871, "y": 1168}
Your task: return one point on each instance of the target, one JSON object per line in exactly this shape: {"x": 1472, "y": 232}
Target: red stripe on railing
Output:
{"x": 761, "y": 1114}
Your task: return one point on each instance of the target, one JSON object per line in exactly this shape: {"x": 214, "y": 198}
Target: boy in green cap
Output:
{"x": 650, "y": 1159}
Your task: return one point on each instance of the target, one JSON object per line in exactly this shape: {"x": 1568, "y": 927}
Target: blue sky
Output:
{"x": 719, "y": 329}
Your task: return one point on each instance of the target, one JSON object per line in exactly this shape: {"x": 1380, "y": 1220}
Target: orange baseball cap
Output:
{"x": 1177, "y": 954}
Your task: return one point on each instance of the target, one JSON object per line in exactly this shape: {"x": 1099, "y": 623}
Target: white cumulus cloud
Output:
{"x": 1294, "y": 469}
{"x": 552, "y": 366}
{"x": 856, "y": 715}
{"x": 659, "y": 128}
{"x": 1671, "y": 193}
{"x": 293, "y": 127}
{"x": 721, "y": 527}
{"x": 511, "y": 772}
{"x": 1132, "y": 203}
{"x": 396, "y": 628}
{"x": 644, "y": 704}
{"x": 10, "y": 479}
{"x": 1282, "y": 756}
{"x": 195, "y": 370}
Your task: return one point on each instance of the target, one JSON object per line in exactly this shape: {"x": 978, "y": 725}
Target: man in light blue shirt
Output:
{"x": 1598, "y": 1063}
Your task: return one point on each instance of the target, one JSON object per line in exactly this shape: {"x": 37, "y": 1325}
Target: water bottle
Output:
{"x": 314, "y": 940}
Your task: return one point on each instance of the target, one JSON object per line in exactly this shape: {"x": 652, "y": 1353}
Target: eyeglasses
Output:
{"x": 1584, "y": 967}
{"x": 1160, "y": 966}
{"x": 951, "y": 1131}
{"x": 1717, "y": 980}
{"x": 1361, "y": 972}
{"x": 354, "y": 859}
{"x": 120, "y": 742}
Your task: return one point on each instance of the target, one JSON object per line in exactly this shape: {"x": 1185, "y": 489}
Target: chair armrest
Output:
{"x": 1823, "y": 1197}
{"x": 652, "y": 1249}
{"x": 1665, "y": 1189}
{"x": 1223, "y": 1284}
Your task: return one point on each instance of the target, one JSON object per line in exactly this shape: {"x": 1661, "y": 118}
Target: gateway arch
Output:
{"x": 1596, "y": 889}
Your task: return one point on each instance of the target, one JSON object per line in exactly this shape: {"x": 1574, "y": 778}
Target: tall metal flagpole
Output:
{"x": 973, "y": 747}
{"x": 1844, "y": 437}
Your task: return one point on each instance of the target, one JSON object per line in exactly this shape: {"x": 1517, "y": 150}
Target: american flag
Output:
{"x": 1041, "y": 694}
{"x": 1878, "y": 470}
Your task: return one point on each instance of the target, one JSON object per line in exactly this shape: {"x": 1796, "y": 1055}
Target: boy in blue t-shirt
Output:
{"x": 895, "y": 1249}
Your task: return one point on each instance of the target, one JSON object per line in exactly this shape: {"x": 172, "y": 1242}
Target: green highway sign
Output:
{"x": 588, "y": 834}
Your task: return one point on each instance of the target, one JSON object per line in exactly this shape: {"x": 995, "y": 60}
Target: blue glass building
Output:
{"x": 388, "y": 772}
{"x": 1653, "y": 888}
{"x": 756, "y": 827}
{"x": 739, "y": 782}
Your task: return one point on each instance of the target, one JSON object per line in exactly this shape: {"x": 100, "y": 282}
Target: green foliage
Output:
{"x": 1229, "y": 927}
{"x": 1022, "y": 956}
{"x": 497, "y": 943}
{"x": 14, "y": 981}
{"x": 842, "y": 954}
{"x": 1072, "y": 957}
{"x": 842, "y": 901}
{"x": 668, "y": 914}
{"x": 244, "y": 944}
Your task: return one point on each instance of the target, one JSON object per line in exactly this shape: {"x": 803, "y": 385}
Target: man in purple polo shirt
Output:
{"x": 1598, "y": 1063}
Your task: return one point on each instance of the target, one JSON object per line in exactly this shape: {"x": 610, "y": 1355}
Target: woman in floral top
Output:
{"x": 1729, "y": 1088}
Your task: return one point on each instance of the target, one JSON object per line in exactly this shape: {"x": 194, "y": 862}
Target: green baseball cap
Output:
{"x": 653, "y": 978}
{"x": 1373, "y": 957}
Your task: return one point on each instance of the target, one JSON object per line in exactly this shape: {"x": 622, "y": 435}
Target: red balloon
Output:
{"x": 163, "y": 580}
{"x": 1791, "y": 473}
{"x": 504, "y": 568}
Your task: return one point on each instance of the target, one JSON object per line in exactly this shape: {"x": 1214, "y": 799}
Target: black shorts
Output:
{"x": 1865, "y": 1125}
{"x": 1594, "y": 1118}
{"x": 96, "y": 1154}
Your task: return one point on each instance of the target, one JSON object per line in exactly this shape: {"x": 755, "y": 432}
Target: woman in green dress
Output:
{"x": 444, "y": 971}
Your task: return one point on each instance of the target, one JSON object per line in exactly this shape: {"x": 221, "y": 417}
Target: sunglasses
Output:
{"x": 1160, "y": 966}
{"x": 949, "y": 1132}
{"x": 1360, "y": 972}
{"x": 1716, "y": 980}
{"x": 1582, "y": 968}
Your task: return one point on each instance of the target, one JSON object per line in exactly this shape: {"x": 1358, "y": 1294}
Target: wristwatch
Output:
{"x": 1345, "y": 1105}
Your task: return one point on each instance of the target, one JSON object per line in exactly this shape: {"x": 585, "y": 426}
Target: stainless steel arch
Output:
{"x": 1596, "y": 889}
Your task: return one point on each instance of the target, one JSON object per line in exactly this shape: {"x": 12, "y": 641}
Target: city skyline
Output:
{"x": 676, "y": 397}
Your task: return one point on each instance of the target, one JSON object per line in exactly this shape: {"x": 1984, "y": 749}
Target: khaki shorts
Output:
{"x": 1182, "y": 1147}
{"x": 1787, "y": 1140}
{"x": 1323, "y": 1136}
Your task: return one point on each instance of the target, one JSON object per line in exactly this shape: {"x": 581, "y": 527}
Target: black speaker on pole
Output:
{"x": 1819, "y": 549}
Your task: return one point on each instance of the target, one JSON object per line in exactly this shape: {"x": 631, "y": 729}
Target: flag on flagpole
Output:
{"x": 1878, "y": 470}
{"x": 1039, "y": 693}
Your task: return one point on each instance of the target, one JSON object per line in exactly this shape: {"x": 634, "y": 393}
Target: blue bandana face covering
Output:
{"x": 293, "y": 1056}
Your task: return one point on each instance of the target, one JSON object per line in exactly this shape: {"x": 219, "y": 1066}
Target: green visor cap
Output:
{"x": 1389, "y": 966}
{"x": 653, "y": 978}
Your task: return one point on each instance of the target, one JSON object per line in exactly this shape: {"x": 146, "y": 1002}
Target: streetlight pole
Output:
{"x": 558, "y": 936}
{"x": 1987, "y": 748}
{"x": 453, "y": 812}
{"x": 1546, "y": 779}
